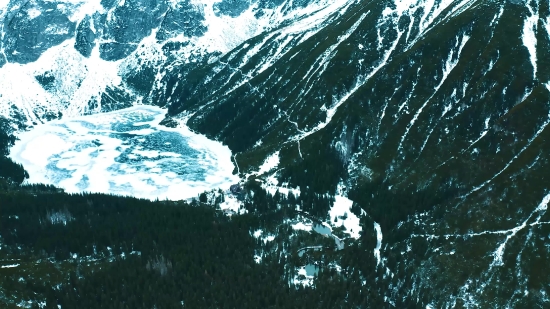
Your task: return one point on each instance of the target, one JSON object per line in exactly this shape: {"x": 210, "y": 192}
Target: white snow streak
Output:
{"x": 497, "y": 17}
{"x": 378, "y": 230}
{"x": 360, "y": 81}
{"x": 409, "y": 96}
{"x": 485, "y": 131}
{"x": 529, "y": 37}
{"x": 450, "y": 64}
{"x": 510, "y": 233}
{"x": 313, "y": 17}
{"x": 10, "y": 266}
{"x": 322, "y": 62}
{"x": 429, "y": 11}
{"x": 541, "y": 210}
{"x": 544, "y": 125}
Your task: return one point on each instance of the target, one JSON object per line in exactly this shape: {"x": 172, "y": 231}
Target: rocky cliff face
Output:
{"x": 78, "y": 57}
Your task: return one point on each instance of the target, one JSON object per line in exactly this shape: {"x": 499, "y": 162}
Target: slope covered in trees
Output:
{"x": 10, "y": 172}
{"x": 100, "y": 251}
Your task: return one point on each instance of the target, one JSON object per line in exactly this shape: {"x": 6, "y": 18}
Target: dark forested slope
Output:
{"x": 102, "y": 251}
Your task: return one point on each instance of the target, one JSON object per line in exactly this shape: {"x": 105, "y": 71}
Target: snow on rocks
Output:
{"x": 271, "y": 185}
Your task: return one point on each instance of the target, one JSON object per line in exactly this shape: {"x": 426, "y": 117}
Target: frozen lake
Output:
{"x": 125, "y": 152}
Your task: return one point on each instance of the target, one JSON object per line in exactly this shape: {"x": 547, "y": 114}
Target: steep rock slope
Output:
{"x": 434, "y": 113}
{"x": 78, "y": 57}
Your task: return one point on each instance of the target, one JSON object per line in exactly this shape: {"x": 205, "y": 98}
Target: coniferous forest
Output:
{"x": 102, "y": 251}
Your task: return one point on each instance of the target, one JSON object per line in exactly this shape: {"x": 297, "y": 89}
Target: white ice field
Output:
{"x": 125, "y": 152}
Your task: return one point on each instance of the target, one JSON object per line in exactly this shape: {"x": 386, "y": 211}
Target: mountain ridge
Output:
{"x": 101, "y": 56}
{"x": 468, "y": 135}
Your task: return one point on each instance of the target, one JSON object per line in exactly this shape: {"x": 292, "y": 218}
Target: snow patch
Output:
{"x": 257, "y": 259}
{"x": 266, "y": 238}
{"x": 257, "y": 233}
{"x": 341, "y": 215}
{"x": 271, "y": 185}
{"x": 270, "y": 163}
{"x": 378, "y": 230}
{"x": 301, "y": 226}
{"x": 32, "y": 13}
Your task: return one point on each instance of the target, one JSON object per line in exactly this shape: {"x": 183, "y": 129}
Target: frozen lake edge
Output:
{"x": 125, "y": 152}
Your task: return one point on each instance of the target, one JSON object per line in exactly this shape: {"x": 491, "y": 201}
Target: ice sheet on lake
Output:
{"x": 125, "y": 152}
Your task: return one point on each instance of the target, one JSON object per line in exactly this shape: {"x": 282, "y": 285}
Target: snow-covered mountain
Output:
{"x": 78, "y": 57}
{"x": 431, "y": 115}
{"x": 435, "y": 115}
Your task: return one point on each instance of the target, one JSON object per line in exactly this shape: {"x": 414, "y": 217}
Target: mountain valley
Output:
{"x": 391, "y": 154}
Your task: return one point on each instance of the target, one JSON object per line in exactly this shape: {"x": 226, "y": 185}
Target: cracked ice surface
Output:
{"x": 125, "y": 152}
